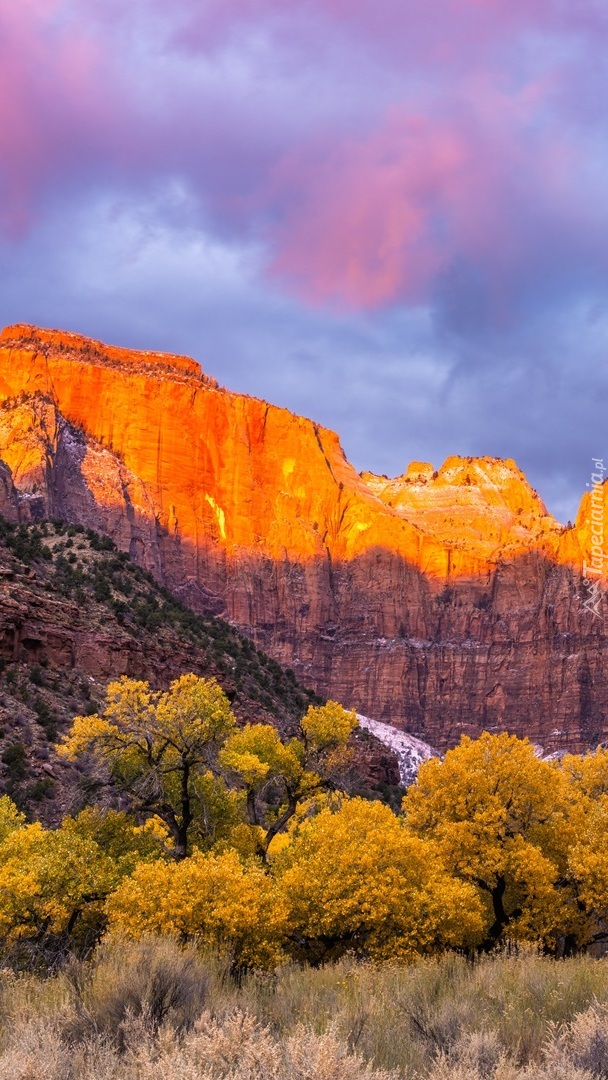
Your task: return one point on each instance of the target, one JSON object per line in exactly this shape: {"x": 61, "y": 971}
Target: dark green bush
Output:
{"x": 15, "y": 758}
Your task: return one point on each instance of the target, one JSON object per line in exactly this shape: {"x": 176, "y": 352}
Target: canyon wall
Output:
{"x": 440, "y": 602}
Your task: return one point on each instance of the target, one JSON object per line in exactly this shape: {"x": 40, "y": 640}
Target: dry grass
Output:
{"x": 153, "y": 1012}
{"x": 403, "y": 1017}
{"x": 153, "y": 982}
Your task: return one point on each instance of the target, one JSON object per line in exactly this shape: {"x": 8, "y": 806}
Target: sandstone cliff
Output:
{"x": 439, "y": 602}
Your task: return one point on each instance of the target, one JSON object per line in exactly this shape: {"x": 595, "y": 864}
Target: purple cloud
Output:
{"x": 365, "y": 160}
{"x": 440, "y": 137}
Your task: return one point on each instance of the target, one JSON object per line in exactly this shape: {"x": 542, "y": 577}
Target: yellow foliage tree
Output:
{"x": 277, "y": 776}
{"x": 119, "y": 837}
{"x": 163, "y": 749}
{"x": 326, "y": 729}
{"x": 357, "y": 880}
{"x": 504, "y": 821}
{"x": 10, "y": 817}
{"x": 588, "y": 774}
{"x": 49, "y": 878}
{"x": 588, "y": 877}
{"x": 588, "y": 857}
{"x": 214, "y": 898}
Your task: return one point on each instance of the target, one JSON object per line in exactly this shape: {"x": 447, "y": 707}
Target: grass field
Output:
{"x": 151, "y": 1012}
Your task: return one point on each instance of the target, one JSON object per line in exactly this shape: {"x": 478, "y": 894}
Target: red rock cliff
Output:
{"x": 439, "y": 602}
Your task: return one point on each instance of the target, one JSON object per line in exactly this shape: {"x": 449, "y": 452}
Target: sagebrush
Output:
{"x": 153, "y": 1011}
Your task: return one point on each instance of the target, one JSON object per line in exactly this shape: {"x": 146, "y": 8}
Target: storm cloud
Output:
{"x": 385, "y": 214}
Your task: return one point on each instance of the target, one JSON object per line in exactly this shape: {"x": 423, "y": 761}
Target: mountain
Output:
{"x": 440, "y": 602}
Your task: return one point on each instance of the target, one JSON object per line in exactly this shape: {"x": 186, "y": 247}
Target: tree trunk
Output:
{"x": 279, "y": 824}
{"x": 501, "y": 919}
{"x": 181, "y": 839}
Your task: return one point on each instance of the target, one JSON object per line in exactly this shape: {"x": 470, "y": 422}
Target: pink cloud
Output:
{"x": 56, "y": 100}
{"x": 470, "y": 164}
{"x": 369, "y": 143}
{"x": 379, "y": 217}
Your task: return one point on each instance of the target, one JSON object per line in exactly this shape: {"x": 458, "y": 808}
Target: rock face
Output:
{"x": 440, "y": 602}
{"x": 411, "y": 753}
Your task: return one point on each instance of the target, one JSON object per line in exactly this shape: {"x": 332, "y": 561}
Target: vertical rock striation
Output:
{"x": 440, "y": 602}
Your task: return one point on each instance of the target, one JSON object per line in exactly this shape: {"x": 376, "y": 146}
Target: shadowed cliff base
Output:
{"x": 516, "y": 651}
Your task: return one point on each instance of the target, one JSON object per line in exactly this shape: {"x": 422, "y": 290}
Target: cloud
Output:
{"x": 377, "y": 219}
{"x": 51, "y": 112}
{"x": 386, "y": 213}
{"x": 372, "y": 147}
{"x": 446, "y": 31}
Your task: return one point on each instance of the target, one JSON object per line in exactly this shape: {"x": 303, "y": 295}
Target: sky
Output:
{"x": 388, "y": 215}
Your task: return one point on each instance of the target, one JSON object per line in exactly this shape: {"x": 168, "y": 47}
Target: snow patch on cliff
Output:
{"x": 409, "y": 751}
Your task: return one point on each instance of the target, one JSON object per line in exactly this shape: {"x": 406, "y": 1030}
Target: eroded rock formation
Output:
{"x": 440, "y": 602}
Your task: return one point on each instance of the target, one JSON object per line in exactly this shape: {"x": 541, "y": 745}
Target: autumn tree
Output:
{"x": 504, "y": 822}
{"x": 10, "y": 817}
{"x": 215, "y": 898}
{"x": 356, "y": 880}
{"x": 162, "y": 748}
{"x": 588, "y": 775}
{"x": 54, "y": 882}
{"x": 587, "y": 872}
{"x": 278, "y": 776}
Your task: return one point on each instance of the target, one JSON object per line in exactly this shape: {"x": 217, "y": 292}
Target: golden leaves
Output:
{"x": 215, "y": 898}
{"x": 328, "y": 726}
{"x": 358, "y": 879}
{"x": 493, "y": 841}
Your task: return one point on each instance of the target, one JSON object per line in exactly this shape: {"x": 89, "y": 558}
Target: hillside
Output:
{"x": 76, "y": 613}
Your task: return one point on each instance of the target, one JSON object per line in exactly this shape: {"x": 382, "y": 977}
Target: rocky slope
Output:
{"x": 440, "y": 602}
{"x": 74, "y": 614}
{"x": 411, "y": 753}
